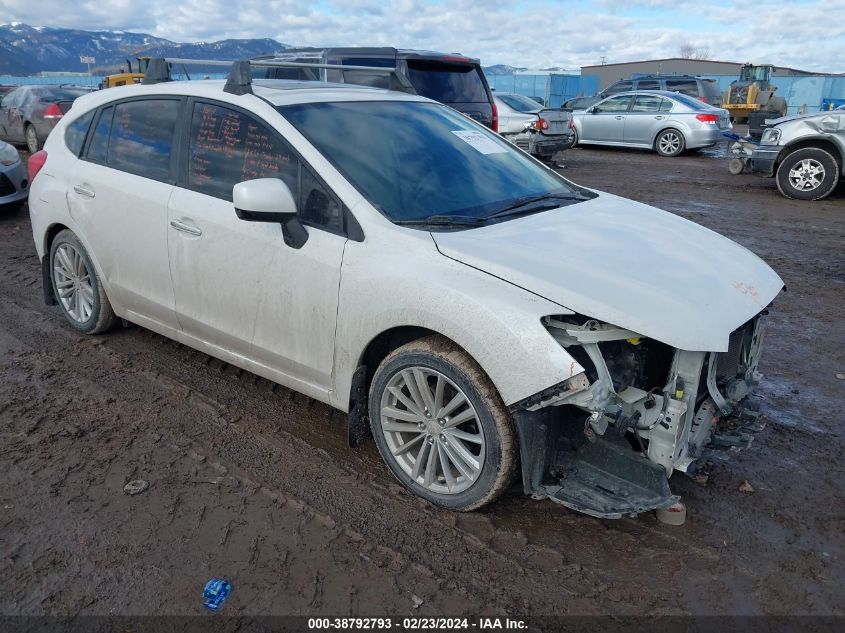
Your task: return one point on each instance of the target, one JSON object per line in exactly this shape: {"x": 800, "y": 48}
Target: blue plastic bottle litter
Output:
{"x": 215, "y": 593}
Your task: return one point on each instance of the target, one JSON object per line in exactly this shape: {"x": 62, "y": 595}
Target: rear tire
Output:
{"x": 670, "y": 143}
{"x": 77, "y": 287}
{"x": 808, "y": 174}
{"x": 457, "y": 456}
{"x": 33, "y": 143}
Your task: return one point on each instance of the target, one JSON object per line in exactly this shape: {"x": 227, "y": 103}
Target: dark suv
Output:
{"x": 452, "y": 79}
{"x": 706, "y": 90}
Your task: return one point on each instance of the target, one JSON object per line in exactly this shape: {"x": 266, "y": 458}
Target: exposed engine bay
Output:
{"x": 606, "y": 441}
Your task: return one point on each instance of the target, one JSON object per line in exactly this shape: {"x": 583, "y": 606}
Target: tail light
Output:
{"x": 571, "y": 123}
{"x": 541, "y": 124}
{"x": 53, "y": 113}
{"x": 704, "y": 99}
{"x": 495, "y": 125}
{"x": 35, "y": 163}
{"x": 707, "y": 118}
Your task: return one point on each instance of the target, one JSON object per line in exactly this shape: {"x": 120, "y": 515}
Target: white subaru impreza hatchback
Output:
{"x": 386, "y": 255}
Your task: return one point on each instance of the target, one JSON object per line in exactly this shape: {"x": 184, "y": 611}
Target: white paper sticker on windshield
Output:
{"x": 480, "y": 142}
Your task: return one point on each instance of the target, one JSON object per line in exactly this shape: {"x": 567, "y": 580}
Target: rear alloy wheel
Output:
{"x": 440, "y": 425}
{"x": 808, "y": 174}
{"x": 669, "y": 143}
{"x": 32, "y": 142}
{"x": 77, "y": 287}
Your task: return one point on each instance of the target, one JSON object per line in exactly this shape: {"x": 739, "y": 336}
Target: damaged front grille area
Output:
{"x": 640, "y": 408}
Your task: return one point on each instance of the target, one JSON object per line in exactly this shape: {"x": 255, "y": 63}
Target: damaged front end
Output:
{"x": 605, "y": 441}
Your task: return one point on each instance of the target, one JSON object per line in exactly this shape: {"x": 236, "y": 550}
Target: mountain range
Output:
{"x": 27, "y": 50}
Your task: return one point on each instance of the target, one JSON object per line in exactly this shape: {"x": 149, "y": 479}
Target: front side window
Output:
{"x": 141, "y": 139}
{"x": 75, "y": 132}
{"x": 616, "y": 104}
{"x": 227, "y": 147}
{"x": 414, "y": 160}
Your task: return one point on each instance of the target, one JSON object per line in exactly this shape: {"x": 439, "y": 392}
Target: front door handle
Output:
{"x": 186, "y": 228}
{"x": 619, "y": 117}
{"x": 82, "y": 190}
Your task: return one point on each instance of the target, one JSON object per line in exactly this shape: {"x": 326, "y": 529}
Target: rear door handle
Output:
{"x": 619, "y": 117}
{"x": 186, "y": 228}
{"x": 660, "y": 117}
{"x": 82, "y": 190}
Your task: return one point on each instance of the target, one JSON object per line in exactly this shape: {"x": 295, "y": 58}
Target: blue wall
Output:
{"x": 554, "y": 88}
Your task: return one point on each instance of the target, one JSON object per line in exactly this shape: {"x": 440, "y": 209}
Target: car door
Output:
{"x": 605, "y": 121}
{"x": 11, "y": 123}
{"x": 118, "y": 195}
{"x": 238, "y": 286}
{"x": 646, "y": 118}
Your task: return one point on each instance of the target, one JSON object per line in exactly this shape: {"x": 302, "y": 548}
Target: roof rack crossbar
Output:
{"x": 239, "y": 80}
{"x": 278, "y": 63}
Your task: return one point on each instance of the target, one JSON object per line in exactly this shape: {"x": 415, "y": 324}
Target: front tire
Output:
{"x": 441, "y": 426}
{"x": 33, "y": 143}
{"x": 808, "y": 174}
{"x": 670, "y": 143}
{"x": 77, "y": 287}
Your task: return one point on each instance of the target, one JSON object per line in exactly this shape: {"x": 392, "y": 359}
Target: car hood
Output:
{"x": 627, "y": 264}
{"x": 830, "y": 119}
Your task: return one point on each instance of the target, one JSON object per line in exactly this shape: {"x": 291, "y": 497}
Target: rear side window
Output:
{"x": 647, "y": 103}
{"x": 447, "y": 83}
{"x": 684, "y": 86}
{"x": 711, "y": 88}
{"x": 141, "y": 140}
{"x": 648, "y": 84}
{"x": 99, "y": 146}
{"x": 619, "y": 86}
{"x": 76, "y": 132}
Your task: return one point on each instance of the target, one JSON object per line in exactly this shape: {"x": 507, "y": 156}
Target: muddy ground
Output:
{"x": 253, "y": 483}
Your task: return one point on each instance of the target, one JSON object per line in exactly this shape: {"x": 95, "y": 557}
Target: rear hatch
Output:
{"x": 712, "y": 93}
{"x": 456, "y": 81}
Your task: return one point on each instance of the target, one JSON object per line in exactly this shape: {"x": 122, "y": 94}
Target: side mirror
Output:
{"x": 592, "y": 110}
{"x": 270, "y": 200}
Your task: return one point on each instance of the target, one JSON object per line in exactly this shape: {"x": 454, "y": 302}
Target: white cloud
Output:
{"x": 533, "y": 33}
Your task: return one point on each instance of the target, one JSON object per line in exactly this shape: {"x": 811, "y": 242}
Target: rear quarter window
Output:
{"x": 447, "y": 83}
{"x": 76, "y": 132}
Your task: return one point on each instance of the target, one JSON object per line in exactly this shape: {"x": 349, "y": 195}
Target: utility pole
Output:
{"x": 603, "y": 60}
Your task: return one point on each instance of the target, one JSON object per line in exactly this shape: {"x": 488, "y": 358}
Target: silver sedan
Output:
{"x": 667, "y": 122}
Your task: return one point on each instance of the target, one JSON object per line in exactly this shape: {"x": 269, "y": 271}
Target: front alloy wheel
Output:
{"x": 432, "y": 430}
{"x": 808, "y": 174}
{"x": 441, "y": 426}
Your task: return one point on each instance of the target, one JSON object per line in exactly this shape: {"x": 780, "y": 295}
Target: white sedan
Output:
{"x": 388, "y": 256}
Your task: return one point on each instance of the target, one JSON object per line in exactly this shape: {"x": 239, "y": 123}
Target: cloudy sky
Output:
{"x": 806, "y": 34}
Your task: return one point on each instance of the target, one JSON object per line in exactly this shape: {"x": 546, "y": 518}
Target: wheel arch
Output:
{"x": 813, "y": 142}
{"x": 379, "y": 348}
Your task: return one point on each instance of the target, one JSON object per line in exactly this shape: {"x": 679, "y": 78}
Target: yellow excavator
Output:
{"x": 128, "y": 76}
{"x": 753, "y": 92}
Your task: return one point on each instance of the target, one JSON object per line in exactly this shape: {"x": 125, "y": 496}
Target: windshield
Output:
{"x": 415, "y": 160}
{"x": 520, "y": 103}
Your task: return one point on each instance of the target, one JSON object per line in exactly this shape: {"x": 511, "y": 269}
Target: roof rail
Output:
{"x": 239, "y": 80}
